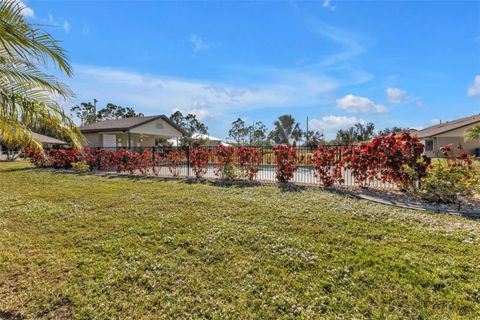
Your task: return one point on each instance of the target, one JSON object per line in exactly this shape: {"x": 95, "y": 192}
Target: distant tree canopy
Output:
{"x": 255, "y": 134}
{"x": 258, "y": 134}
{"x": 313, "y": 138}
{"x": 286, "y": 130}
{"x": 389, "y": 131}
{"x": 87, "y": 112}
{"x": 358, "y": 133}
{"x": 191, "y": 125}
{"x": 238, "y": 131}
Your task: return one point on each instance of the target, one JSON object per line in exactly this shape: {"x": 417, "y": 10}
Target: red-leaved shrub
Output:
{"x": 394, "y": 159}
{"x": 225, "y": 162}
{"x": 199, "y": 158}
{"x": 175, "y": 160}
{"x": 249, "y": 160}
{"x": 38, "y": 159}
{"x": 286, "y": 160}
{"x": 328, "y": 165}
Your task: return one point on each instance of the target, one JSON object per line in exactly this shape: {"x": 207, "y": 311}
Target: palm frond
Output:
{"x": 27, "y": 94}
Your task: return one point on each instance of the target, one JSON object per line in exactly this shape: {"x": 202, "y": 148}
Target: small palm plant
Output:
{"x": 472, "y": 133}
{"x": 27, "y": 94}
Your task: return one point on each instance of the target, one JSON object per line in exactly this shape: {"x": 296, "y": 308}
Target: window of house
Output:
{"x": 429, "y": 145}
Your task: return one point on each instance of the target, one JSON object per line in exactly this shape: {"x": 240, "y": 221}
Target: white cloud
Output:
{"x": 157, "y": 93}
{"x": 331, "y": 124}
{"x": 58, "y": 22}
{"x": 26, "y": 10}
{"x": 356, "y": 104}
{"x": 474, "y": 89}
{"x": 395, "y": 95}
{"x": 66, "y": 26}
{"x": 327, "y": 4}
{"x": 198, "y": 43}
{"x": 352, "y": 44}
{"x": 201, "y": 113}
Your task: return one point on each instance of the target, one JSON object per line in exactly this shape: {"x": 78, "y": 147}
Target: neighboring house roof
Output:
{"x": 448, "y": 126}
{"x": 46, "y": 139}
{"x": 205, "y": 137}
{"x": 125, "y": 124}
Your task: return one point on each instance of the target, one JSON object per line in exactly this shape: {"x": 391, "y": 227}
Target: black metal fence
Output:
{"x": 305, "y": 174}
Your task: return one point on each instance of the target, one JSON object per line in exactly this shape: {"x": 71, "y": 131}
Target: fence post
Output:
{"x": 188, "y": 161}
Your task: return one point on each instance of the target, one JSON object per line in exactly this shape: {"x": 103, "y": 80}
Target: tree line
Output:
{"x": 285, "y": 130}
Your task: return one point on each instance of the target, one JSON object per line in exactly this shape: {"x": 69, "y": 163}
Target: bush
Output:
{"x": 80, "y": 167}
{"x": 328, "y": 165}
{"x": 286, "y": 160}
{"x": 38, "y": 159}
{"x": 249, "y": 160}
{"x": 450, "y": 178}
{"x": 62, "y": 158}
{"x": 225, "y": 167}
{"x": 175, "y": 160}
{"x": 394, "y": 159}
{"x": 199, "y": 158}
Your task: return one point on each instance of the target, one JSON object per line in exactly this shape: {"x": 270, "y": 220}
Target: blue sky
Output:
{"x": 406, "y": 63}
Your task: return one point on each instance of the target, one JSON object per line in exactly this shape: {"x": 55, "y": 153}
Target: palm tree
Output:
{"x": 27, "y": 94}
{"x": 286, "y": 130}
{"x": 472, "y": 133}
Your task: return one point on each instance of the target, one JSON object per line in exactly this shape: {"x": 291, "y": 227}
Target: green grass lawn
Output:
{"x": 90, "y": 247}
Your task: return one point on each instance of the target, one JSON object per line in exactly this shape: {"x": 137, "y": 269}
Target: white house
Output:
{"x": 450, "y": 132}
{"x": 130, "y": 132}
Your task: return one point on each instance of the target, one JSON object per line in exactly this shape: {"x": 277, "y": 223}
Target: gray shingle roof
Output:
{"x": 125, "y": 124}
{"x": 448, "y": 126}
{"x": 46, "y": 139}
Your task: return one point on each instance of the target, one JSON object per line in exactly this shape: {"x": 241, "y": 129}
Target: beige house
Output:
{"x": 130, "y": 132}
{"x": 47, "y": 142}
{"x": 450, "y": 132}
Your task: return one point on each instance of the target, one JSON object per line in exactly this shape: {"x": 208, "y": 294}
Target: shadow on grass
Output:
{"x": 10, "y": 316}
{"x": 17, "y": 169}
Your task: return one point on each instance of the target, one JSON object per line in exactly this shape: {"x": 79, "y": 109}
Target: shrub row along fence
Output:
{"x": 394, "y": 161}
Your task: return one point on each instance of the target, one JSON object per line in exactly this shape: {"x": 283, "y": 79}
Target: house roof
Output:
{"x": 46, "y": 139}
{"x": 125, "y": 124}
{"x": 448, "y": 126}
{"x": 205, "y": 137}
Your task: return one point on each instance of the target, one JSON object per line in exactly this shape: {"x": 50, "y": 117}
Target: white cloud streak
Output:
{"x": 198, "y": 43}
{"x": 26, "y": 10}
{"x": 474, "y": 89}
{"x": 327, "y": 4}
{"x": 331, "y": 124}
{"x": 352, "y": 44}
{"x": 285, "y": 88}
{"x": 356, "y": 104}
{"x": 395, "y": 95}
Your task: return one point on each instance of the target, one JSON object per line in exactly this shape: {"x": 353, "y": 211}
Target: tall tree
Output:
{"x": 313, "y": 138}
{"x": 472, "y": 133}
{"x": 346, "y": 136}
{"x": 87, "y": 112}
{"x": 257, "y": 133}
{"x": 364, "y": 132}
{"x": 113, "y": 111}
{"x": 27, "y": 93}
{"x": 358, "y": 133}
{"x": 191, "y": 125}
{"x": 238, "y": 131}
{"x": 389, "y": 131}
{"x": 286, "y": 130}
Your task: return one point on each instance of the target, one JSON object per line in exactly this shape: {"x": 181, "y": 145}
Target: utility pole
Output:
{"x": 95, "y": 109}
